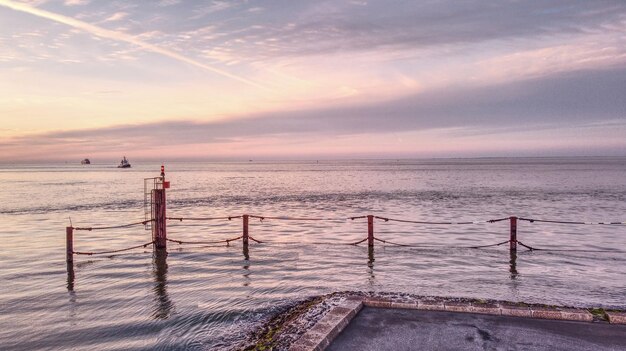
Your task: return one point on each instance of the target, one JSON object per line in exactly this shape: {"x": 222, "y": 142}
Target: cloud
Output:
{"x": 390, "y": 32}
{"x": 579, "y": 100}
{"x": 341, "y": 67}
{"x": 75, "y": 2}
{"x": 332, "y": 27}
{"x": 215, "y": 6}
{"x": 166, "y": 3}
{"x": 34, "y": 2}
{"x": 120, "y": 36}
{"x": 118, "y": 16}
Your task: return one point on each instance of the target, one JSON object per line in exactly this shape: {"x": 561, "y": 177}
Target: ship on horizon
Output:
{"x": 124, "y": 163}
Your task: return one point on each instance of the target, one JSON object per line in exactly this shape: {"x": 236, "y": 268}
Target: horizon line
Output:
{"x": 306, "y": 159}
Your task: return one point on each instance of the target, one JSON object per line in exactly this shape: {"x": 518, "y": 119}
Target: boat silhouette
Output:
{"x": 124, "y": 163}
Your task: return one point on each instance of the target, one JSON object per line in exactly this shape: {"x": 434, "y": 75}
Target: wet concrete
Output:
{"x": 400, "y": 329}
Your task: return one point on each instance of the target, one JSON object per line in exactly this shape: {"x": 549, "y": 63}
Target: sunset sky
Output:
{"x": 175, "y": 79}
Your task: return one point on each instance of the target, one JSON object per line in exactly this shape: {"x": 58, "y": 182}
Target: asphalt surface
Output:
{"x": 398, "y": 329}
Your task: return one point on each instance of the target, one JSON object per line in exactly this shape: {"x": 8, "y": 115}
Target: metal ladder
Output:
{"x": 149, "y": 184}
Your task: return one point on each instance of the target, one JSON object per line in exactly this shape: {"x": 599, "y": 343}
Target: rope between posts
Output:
{"x": 358, "y": 242}
{"x": 113, "y": 227}
{"x": 526, "y": 246}
{"x": 112, "y": 251}
{"x": 532, "y": 248}
{"x": 386, "y": 219}
{"x": 227, "y": 241}
{"x": 200, "y": 218}
{"x": 498, "y": 220}
{"x": 255, "y": 240}
{"x": 286, "y": 218}
{"x": 491, "y": 245}
{"x": 443, "y": 246}
{"x": 301, "y": 243}
{"x": 532, "y": 220}
{"x": 426, "y": 222}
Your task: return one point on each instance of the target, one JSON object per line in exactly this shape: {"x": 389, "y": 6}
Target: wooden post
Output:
{"x": 159, "y": 226}
{"x": 69, "y": 244}
{"x": 513, "y": 236}
{"x": 370, "y": 230}
{"x": 245, "y": 231}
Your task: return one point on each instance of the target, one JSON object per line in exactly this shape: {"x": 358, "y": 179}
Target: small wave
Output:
{"x": 114, "y": 206}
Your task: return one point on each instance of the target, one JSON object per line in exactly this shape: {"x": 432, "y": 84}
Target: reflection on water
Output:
{"x": 72, "y": 308}
{"x": 370, "y": 256}
{"x": 370, "y": 265}
{"x": 513, "y": 264}
{"x": 70, "y": 276}
{"x": 163, "y": 304}
{"x": 246, "y": 251}
{"x": 246, "y": 273}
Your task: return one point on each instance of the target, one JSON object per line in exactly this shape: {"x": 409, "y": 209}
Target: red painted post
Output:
{"x": 245, "y": 230}
{"x": 370, "y": 230}
{"x": 513, "y": 237}
{"x": 69, "y": 244}
{"x": 159, "y": 226}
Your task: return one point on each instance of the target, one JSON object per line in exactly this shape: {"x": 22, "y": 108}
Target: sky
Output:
{"x": 251, "y": 79}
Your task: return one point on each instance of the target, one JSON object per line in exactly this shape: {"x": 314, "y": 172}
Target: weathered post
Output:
{"x": 370, "y": 230}
{"x": 69, "y": 256}
{"x": 513, "y": 234}
{"x": 160, "y": 231}
{"x": 245, "y": 231}
{"x": 69, "y": 244}
{"x": 159, "y": 205}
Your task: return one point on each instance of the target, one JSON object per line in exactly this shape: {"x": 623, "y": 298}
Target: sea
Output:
{"x": 209, "y": 296}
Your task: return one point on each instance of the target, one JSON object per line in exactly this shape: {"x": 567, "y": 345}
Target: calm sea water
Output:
{"x": 203, "y": 297}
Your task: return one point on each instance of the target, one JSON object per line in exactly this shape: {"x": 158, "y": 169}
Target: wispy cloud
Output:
{"x": 166, "y": 3}
{"x": 34, "y": 2}
{"x": 213, "y": 7}
{"x": 76, "y": 2}
{"x": 118, "y": 16}
{"x": 325, "y": 28}
{"x": 397, "y": 30}
{"x": 120, "y": 36}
